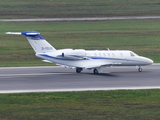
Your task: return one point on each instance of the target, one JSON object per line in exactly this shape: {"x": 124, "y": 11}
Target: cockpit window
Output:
{"x": 132, "y": 54}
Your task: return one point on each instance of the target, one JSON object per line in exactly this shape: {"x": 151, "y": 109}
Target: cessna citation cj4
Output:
{"x": 80, "y": 58}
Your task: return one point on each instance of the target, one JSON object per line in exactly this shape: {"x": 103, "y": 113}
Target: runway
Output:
{"x": 55, "y": 78}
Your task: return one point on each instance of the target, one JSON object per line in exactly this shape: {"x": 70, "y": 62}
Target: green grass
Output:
{"x": 140, "y": 36}
{"x": 95, "y": 105}
{"x": 77, "y": 8}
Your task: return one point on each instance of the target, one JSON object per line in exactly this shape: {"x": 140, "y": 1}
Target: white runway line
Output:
{"x": 14, "y": 75}
{"x": 81, "y": 89}
{"x": 81, "y": 19}
{"x": 30, "y": 67}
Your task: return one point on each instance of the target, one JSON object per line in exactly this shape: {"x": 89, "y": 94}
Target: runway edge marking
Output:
{"x": 85, "y": 89}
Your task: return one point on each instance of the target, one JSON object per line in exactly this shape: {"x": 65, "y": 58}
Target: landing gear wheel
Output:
{"x": 140, "y": 69}
{"x": 95, "y": 71}
{"x": 78, "y": 70}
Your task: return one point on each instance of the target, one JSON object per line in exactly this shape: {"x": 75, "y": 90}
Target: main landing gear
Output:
{"x": 95, "y": 71}
{"x": 79, "y": 70}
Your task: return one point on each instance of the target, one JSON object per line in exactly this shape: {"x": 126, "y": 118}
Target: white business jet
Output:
{"x": 83, "y": 59}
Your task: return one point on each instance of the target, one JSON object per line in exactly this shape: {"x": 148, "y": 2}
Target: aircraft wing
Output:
{"x": 101, "y": 64}
{"x": 47, "y": 61}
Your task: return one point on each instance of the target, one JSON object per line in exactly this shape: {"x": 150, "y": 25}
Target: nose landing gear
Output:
{"x": 140, "y": 69}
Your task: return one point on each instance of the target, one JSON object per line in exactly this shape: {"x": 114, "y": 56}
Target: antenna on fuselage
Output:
{"x": 108, "y": 49}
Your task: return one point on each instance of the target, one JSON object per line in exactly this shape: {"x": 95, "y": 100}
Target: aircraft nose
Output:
{"x": 149, "y": 61}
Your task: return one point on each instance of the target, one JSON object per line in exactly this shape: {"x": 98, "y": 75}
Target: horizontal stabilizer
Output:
{"x": 30, "y": 33}
{"x": 14, "y": 33}
{"x": 23, "y": 33}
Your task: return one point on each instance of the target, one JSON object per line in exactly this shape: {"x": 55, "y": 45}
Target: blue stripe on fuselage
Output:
{"x": 58, "y": 58}
{"x": 98, "y": 58}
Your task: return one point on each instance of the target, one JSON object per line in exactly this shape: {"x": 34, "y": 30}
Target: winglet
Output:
{"x": 14, "y": 33}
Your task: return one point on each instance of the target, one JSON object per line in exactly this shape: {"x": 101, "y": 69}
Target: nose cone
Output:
{"x": 145, "y": 61}
{"x": 149, "y": 61}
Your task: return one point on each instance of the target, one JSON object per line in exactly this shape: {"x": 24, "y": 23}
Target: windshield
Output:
{"x": 133, "y": 54}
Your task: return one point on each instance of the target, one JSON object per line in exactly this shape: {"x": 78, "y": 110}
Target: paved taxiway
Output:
{"x": 52, "y": 78}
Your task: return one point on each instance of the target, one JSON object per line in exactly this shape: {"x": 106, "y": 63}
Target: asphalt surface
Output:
{"x": 81, "y": 19}
{"x": 52, "y": 78}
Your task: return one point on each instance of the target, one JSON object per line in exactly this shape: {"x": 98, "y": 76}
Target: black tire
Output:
{"x": 95, "y": 71}
{"x": 78, "y": 70}
{"x": 140, "y": 69}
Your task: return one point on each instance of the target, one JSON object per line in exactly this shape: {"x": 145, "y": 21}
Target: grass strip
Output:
{"x": 110, "y": 105}
{"x": 77, "y": 8}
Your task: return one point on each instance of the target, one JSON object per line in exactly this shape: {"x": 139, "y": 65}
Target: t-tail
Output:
{"x": 38, "y": 43}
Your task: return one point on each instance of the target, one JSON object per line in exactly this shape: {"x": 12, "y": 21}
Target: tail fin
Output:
{"x": 38, "y": 43}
